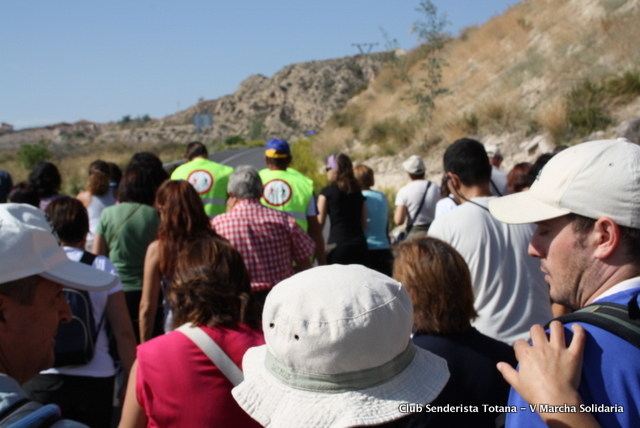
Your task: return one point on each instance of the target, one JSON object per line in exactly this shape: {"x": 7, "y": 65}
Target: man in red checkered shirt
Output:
{"x": 268, "y": 240}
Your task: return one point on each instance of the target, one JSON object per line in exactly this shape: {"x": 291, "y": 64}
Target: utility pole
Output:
{"x": 361, "y": 45}
{"x": 368, "y": 73}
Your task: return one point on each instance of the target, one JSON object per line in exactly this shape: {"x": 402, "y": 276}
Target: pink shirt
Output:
{"x": 178, "y": 385}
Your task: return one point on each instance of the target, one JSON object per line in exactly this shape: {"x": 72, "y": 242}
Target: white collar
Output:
{"x": 625, "y": 285}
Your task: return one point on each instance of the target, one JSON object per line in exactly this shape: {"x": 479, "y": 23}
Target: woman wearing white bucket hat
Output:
{"x": 338, "y": 353}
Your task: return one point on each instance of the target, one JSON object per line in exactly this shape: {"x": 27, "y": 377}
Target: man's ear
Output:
{"x": 453, "y": 182}
{"x": 606, "y": 233}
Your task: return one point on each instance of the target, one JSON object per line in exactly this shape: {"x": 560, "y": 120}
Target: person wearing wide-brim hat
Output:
{"x": 338, "y": 353}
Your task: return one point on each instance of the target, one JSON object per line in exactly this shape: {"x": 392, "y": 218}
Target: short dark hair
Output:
{"x": 23, "y": 289}
{"x": 152, "y": 165}
{"x": 69, "y": 218}
{"x": 468, "y": 159}
{"x": 195, "y": 149}
{"x": 280, "y": 163}
{"x": 136, "y": 186}
{"x": 629, "y": 237}
{"x": 24, "y": 193}
{"x": 45, "y": 179}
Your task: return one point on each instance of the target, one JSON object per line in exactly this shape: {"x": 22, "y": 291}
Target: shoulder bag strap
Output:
{"x": 412, "y": 220}
{"x": 213, "y": 351}
{"x": 117, "y": 229}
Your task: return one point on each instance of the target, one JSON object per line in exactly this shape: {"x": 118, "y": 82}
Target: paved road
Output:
{"x": 253, "y": 156}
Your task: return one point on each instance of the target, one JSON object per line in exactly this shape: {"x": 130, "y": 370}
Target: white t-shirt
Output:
{"x": 445, "y": 205}
{"x": 102, "y": 364}
{"x": 509, "y": 288}
{"x": 411, "y": 195}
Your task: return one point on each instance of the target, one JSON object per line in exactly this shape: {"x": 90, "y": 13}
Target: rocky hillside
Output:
{"x": 296, "y": 101}
{"x": 545, "y": 72}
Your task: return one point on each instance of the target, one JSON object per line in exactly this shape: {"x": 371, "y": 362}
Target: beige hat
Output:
{"x": 338, "y": 353}
{"x": 492, "y": 150}
{"x": 28, "y": 247}
{"x": 414, "y": 165}
{"x": 594, "y": 179}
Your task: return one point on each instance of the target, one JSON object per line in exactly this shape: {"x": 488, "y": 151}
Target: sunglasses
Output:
{"x": 327, "y": 168}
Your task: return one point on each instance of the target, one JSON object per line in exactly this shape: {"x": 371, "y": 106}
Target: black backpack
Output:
{"x": 75, "y": 341}
{"x": 621, "y": 320}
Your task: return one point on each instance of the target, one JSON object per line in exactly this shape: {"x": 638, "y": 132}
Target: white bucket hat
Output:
{"x": 338, "y": 353}
{"x": 28, "y": 247}
{"x": 594, "y": 179}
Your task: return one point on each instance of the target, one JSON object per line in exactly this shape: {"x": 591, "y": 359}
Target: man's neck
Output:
{"x": 609, "y": 279}
{"x": 465, "y": 193}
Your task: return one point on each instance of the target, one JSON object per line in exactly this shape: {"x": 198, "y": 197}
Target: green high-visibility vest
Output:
{"x": 289, "y": 192}
{"x": 210, "y": 181}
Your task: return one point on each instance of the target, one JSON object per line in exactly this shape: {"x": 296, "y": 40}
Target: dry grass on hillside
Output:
{"x": 515, "y": 73}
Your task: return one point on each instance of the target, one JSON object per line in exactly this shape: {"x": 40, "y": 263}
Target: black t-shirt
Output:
{"x": 475, "y": 380}
{"x": 345, "y": 212}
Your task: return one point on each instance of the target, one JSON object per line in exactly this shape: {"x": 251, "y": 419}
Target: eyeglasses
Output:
{"x": 327, "y": 168}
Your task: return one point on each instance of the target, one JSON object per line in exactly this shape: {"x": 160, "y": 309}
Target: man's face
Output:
{"x": 564, "y": 259}
{"x": 31, "y": 329}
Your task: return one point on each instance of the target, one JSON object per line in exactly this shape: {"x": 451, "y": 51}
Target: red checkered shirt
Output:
{"x": 268, "y": 241}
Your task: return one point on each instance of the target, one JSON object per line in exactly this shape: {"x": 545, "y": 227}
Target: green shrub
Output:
{"x": 626, "y": 86}
{"x": 235, "y": 140}
{"x": 586, "y": 109}
{"x": 391, "y": 131}
{"x": 308, "y": 164}
{"x": 30, "y": 154}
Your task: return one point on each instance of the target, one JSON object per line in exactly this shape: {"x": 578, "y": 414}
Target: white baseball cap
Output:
{"x": 28, "y": 247}
{"x": 338, "y": 353}
{"x": 492, "y": 150}
{"x": 414, "y": 165}
{"x": 593, "y": 179}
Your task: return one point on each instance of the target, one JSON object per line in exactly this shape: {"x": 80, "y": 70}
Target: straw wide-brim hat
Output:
{"x": 338, "y": 353}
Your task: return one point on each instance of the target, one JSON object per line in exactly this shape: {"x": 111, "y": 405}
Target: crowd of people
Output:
{"x": 212, "y": 298}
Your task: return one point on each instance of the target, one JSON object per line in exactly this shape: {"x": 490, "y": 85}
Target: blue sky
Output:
{"x": 68, "y": 60}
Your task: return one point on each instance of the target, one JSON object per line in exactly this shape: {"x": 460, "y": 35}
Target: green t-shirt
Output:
{"x": 128, "y": 229}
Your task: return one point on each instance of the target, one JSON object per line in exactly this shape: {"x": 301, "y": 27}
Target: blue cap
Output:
{"x": 277, "y": 149}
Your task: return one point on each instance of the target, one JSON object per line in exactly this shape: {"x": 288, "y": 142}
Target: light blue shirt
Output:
{"x": 378, "y": 218}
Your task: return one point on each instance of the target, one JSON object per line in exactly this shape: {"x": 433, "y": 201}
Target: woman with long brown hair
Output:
{"x": 173, "y": 382}
{"x": 182, "y": 217}
{"x": 344, "y": 203}
{"x": 439, "y": 284}
{"x": 97, "y": 195}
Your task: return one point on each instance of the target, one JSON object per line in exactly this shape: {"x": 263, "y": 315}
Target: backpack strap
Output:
{"x": 88, "y": 259}
{"x": 621, "y": 320}
{"x": 213, "y": 351}
{"x": 27, "y": 413}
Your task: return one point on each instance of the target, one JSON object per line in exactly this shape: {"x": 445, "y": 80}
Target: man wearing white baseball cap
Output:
{"x": 586, "y": 206}
{"x": 338, "y": 353}
{"x": 33, "y": 270}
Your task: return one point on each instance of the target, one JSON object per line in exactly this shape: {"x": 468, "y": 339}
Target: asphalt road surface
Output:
{"x": 253, "y": 156}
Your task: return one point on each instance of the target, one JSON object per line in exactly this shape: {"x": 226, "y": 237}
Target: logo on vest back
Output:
{"x": 277, "y": 192}
{"x": 201, "y": 180}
